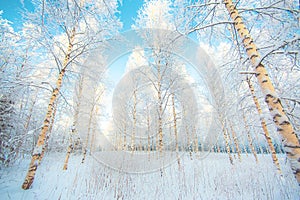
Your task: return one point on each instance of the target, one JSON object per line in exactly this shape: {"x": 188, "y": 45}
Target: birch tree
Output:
{"x": 264, "y": 126}
{"x": 15, "y": 83}
{"x": 75, "y": 122}
{"x": 75, "y": 23}
{"x": 157, "y": 15}
{"x": 209, "y": 19}
{"x": 284, "y": 127}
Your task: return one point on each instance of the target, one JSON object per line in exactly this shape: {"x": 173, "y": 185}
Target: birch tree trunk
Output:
{"x": 284, "y": 127}
{"x": 264, "y": 127}
{"x": 250, "y": 139}
{"x": 160, "y": 109}
{"x": 175, "y": 131}
{"x": 236, "y": 142}
{"x": 195, "y": 147}
{"x": 227, "y": 142}
{"x": 45, "y": 146}
{"x": 36, "y": 155}
{"x": 148, "y": 130}
{"x": 70, "y": 148}
{"x": 134, "y": 122}
{"x": 75, "y": 121}
{"x": 124, "y": 139}
{"x": 92, "y": 147}
{"x": 88, "y": 134}
{"x": 188, "y": 138}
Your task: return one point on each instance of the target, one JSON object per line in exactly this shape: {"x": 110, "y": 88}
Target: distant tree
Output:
{"x": 14, "y": 83}
{"x": 7, "y": 115}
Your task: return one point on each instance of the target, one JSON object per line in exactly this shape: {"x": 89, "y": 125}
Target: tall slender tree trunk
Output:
{"x": 45, "y": 146}
{"x": 160, "y": 110}
{"x": 74, "y": 126}
{"x": 285, "y": 129}
{"x": 86, "y": 144}
{"x": 264, "y": 127}
{"x": 36, "y": 155}
{"x": 189, "y": 143}
{"x": 92, "y": 147}
{"x": 236, "y": 142}
{"x": 195, "y": 148}
{"x": 148, "y": 130}
{"x": 250, "y": 141}
{"x": 227, "y": 143}
{"x": 175, "y": 131}
{"x": 133, "y": 146}
{"x": 124, "y": 138}
{"x": 53, "y": 117}
{"x": 70, "y": 148}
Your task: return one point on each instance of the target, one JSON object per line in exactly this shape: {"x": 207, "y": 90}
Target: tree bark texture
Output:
{"x": 36, "y": 156}
{"x": 264, "y": 127}
{"x": 284, "y": 127}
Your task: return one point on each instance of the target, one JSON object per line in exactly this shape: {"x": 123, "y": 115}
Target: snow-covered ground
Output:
{"x": 210, "y": 178}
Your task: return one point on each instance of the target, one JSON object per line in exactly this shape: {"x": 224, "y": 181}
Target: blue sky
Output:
{"x": 129, "y": 12}
{"x": 12, "y": 11}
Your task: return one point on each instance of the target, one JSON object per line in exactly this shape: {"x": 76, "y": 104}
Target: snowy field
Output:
{"x": 210, "y": 178}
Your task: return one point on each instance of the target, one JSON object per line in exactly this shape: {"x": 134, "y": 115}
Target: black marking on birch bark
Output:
{"x": 289, "y": 153}
{"x": 276, "y": 101}
{"x": 258, "y": 66}
{"x": 249, "y": 48}
{"x": 277, "y": 115}
{"x": 240, "y": 22}
{"x": 247, "y": 38}
{"x": 237, "y": 17}
{"x": 267, "y": 98}
{"x": 253, "y": 56}
{"x": 250, "y": 42}
{"x": 284, "y": 123}
{"x": 232, "y": 8}
{"x": 37, "y": 155}
{"x": 264, "y": 81}
{"x": 279, "y": 129}
{"x": 292, "y": 146}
